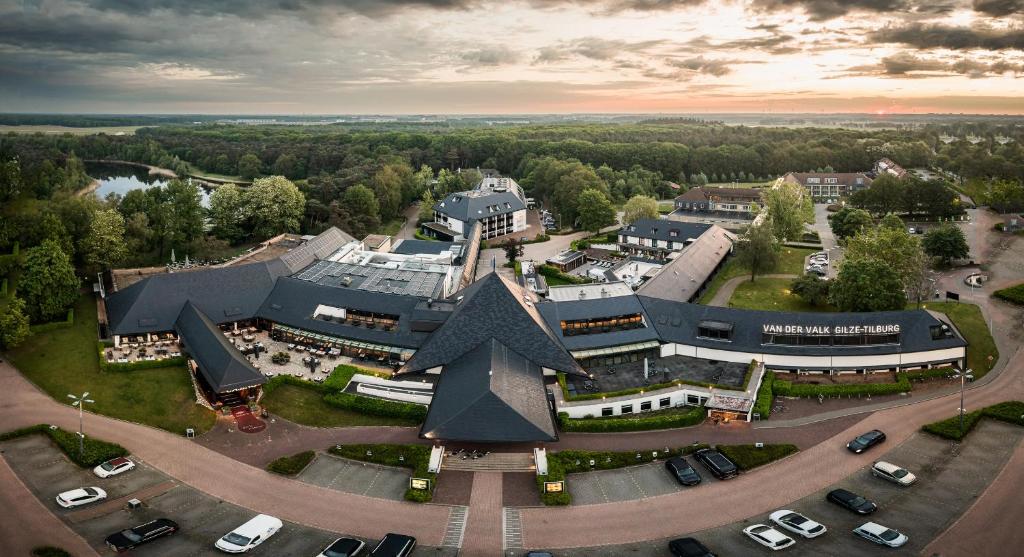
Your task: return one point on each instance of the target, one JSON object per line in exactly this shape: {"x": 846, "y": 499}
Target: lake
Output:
{"x": 122, "y": 178}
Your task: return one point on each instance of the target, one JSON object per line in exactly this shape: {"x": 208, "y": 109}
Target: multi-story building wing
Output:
{"x": 829, "y": 185}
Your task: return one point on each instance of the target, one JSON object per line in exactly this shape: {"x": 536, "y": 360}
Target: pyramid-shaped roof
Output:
{"x": 490, "y": 394}
{"x": 220, "y": 363}
{"x": 493, "y": 308}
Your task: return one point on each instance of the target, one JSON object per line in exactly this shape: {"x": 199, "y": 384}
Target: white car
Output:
{"x": 249, "y": 535}
{"x": 343, "y": 547}
{"x": 797, "y": 523}
{"x": 80, "y": 496}
{"x": 893, "y": 473}
{"x": 768, "y": 537}
{"x": 113, "y": 467}
{"x": 881, "y": 535}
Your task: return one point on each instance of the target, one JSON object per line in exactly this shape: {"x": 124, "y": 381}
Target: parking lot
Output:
{"x": 949, "y": 480}
{"x": 202, "y": 519}
{"x": 350, "y": 476}
{"x": 625, "y": 484}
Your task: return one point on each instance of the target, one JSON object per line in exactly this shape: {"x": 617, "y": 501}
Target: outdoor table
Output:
{"x": 291, "y": 347}
{"x": 175, "y": 354}
{"x": 122, "y": 360}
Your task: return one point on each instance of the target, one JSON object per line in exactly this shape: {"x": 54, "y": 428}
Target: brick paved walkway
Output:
{"x": 484, "y": 534}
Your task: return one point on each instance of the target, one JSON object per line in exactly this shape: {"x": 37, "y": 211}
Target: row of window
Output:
{"x": 620, "y": 322}
{"x": 829, "y": 340}
{"x": 648, "y": 405}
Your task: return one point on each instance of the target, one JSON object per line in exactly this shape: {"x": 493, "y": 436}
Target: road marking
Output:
{"x": 643, "y": 494}
{"x": 373, "y": 481}
{"x": 512, "y": 528}
{"x": 456, "y": 529}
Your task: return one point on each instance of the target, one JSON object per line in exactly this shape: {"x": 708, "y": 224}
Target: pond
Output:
{"x": 122, "y": 178}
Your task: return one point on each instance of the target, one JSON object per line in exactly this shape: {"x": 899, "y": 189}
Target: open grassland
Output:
{"x": 109, "y": 130}
{"x": 791, "y": 261}
{"x": 771, "y": 294}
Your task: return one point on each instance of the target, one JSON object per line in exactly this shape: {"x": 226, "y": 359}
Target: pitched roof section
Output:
{"x": 490, "y": 394}
{"x": 324, "y": 244}
{"x": 493, "y": 308}
{"x": 479, "y": 204}
{"x": 661, "y": 229}
{"x": 223, "y": 367}
{"x": 684, "y": 276}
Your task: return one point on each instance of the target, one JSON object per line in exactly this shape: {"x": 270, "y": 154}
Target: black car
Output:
{"x": 689, "y": 547}
{"x": 851, "y": 501}
{"x": 394, "y": 545}
{"x": 127, "y": 539}
{"x": 682, "y": 471}
{"x": 717, "y": 463}
{"x": 866, "y": 441}
{"x": 343, "y": 547}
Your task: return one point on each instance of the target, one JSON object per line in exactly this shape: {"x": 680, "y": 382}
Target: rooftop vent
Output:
{"x": 582, "y": 294}
{"x": 604, "y": 292}
{"x": 346, "y": 280}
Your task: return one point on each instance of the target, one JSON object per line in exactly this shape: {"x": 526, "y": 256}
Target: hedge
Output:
{"x": 1013, "y": 294}
{"x": 788, "y": 388}
{"x": 291, "y": 465}
{"x": 549, "y": 271}
{"x": 765, "y": 395}
{"x": 49, "y": 551}
{"x": 54, "y": 325}
{"x": 96, "y": 451}
{"x": 646, "y": 388}
{"x": 748, "y": 457}
{"x": 331, "y": 389}
{"x": 414, "y": 457}
{"x": 932, "y": 373}
{"x": 1010, "y": 412}
{"x": 643, "y": 421}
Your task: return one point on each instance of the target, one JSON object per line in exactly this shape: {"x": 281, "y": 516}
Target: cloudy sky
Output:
{"x": 511, "y": 56}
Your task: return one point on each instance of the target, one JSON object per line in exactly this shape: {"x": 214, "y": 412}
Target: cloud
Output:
{"x": 594, "y": 48}
{"x": 924, "y": 36}
{"x": 773, "y": 44}
{"x": 491, "y": 56}
{"x": 703, "y": 65}
{"x": 999, "y": 8}
{"x": 909, "y": 65}
{"x": 823, "y": 10}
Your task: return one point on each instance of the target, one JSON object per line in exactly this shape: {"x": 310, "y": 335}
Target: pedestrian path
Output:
{"x": 484, "y": 532}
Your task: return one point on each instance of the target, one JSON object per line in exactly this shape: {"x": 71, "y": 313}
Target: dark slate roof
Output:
{"x": 319, "y": 247}
{"x": 677, "y": 322}
{"x": 493, "y": 394}
{"x": 224, "y": 294}
{"x": 224, "y": 367}
{"x": 556, "y": 312}
{"x": 493, "y": 308}
{"x": 292, "y": 302}
{"x": 661, "y": 229}
{"x": 471, "y": 205}
{"x": 416, "y": 247}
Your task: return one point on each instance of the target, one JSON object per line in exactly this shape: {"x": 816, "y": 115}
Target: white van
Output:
{"x": 250, "y": 534}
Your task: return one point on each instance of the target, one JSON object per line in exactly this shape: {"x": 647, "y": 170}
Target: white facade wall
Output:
{"x": 519, "y": 220}
{"x": 895, "y": 359}
{"x": 593, "y": 408}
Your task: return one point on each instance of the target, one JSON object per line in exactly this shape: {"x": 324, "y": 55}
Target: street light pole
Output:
{"x": 963, "y": 375}
{"x": 80, "y": 401}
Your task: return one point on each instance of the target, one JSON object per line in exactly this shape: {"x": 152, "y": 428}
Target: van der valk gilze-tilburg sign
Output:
{"x": 830, "y": 330}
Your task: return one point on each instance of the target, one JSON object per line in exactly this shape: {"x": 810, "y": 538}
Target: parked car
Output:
{"x": 893, "y": 473}
{"x": 343, "y": 547}
{"x": 143, "y": 533}
{"x": 394, "y": 545}
{"x": 881, "y": 535}
{"x": 866, "y": 441}
{"x": 851, "y": 501}
{"x": 249, "y": 535}
{"x": 682, "y": 471}
{"x": 911, "y": 230}
{"x": 818, "y": 271}
{"x": 768, "y": 537}
{"x": 717, "y": 463}
{"x": 689, "y": 547}
{"x": 797, "y": 523}
{"x": 113, "y": 467}
{"x": 80, "y": 496}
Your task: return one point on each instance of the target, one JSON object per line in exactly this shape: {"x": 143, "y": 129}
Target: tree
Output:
{"x": 758, "y": 250}
{"x": 787, "y": 210}
{"x": 14, "y": 327}
{"x": 639, "y": 207}
{"x": 699, "y": 180}
{"x": 249, "y": 166}
{"x": 891, "y": 221}
{"x": 867, "y": 285}
{"x": 285, "y": 165}
{"x": 273, "y": 205}
{"x": 595, "y": 210}
{"x": 105, "y": 246}
{"x": 513, "y": 250}
{"x": 387, "y": 186}
{"x": 811, "y": 289}
{"x": 358, "y": 212}
{"x": 426, "y": 213}
{"x": 848, "y": 221}
{"x": 227, "y": 212}
{"x": 10, "y": 179}
{"x": 448, "y": 182}
{"x": 947, "y": 242}
{"x": 182, "y": 214}
{"x": 48, "y": 284}
{"x": 895, "y": 248}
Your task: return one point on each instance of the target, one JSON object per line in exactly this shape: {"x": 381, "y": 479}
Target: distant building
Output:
{"x": 829, "y": 185}
{"x": 658, "y": 238}
{"x": 886, "y": 166}
{"x": 732, "y": 201}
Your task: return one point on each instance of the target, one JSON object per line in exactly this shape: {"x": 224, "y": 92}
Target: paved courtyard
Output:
{"x": 356, "y": 477}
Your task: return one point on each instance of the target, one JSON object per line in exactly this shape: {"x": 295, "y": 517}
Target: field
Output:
{"x": 791, "y": 261}
{"x": 770, "y": 294}
{"x": 112, "y": 130}
{"x": 969, "y": 319}
{"x": 307, "y": 407}
{"x": 65, "y": 361}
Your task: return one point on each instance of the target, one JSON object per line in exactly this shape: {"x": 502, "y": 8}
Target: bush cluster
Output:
{"x": 765, "y": 395}
{"x": 788, "y": 388}
{"x": 1010, "y": 412}
{"x": 96, "y": 452}
{"x": 643, "y": 421}
{"x": 747, "y": 457}
{"x": 549, "y": 271}
{"x": 291, "y": 465}
{"x": 54, "y": 325}
{"x": 339, "y": 378}
{"x": 49, "y": 551}
{"x": 414, "y": 457}
{"x": 1013, "y": 294}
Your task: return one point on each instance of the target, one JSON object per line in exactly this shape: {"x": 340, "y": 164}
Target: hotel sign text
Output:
{"x": 830, "y": 330}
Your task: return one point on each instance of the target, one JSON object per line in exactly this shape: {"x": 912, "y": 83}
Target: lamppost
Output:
{"x": 80, "y": 401}
{"x": 963, "y": 376}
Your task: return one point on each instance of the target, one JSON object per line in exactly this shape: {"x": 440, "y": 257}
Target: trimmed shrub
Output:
{"x": 922, "y": 374}
{"x": 49, "y": 551}
{"x": 644, "y": 421}
{"x": 788, "y": 388}
{"x": 765, "y": 395}
{"x": 1013, "y": 294}
{"x": 1010, "y": 412}
{"x": 414, "y": 457}
{"x": 377, "y": 406}
{"x": 95, "y": 452}
{"x": 646, "y": 389}
{"x": 748, "y": 457}
{"x": 54, "y": 325}
{"x": 291, "y": 465}
{"x": 553, "y": 272}
{"x": 281, "y": 358}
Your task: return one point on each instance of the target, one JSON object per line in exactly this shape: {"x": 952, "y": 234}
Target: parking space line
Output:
{"x": 643, "y": 494}
{"x": 512, "y": 528}
{"x": 369, "y": 486}
{"x": 456, "y": 529}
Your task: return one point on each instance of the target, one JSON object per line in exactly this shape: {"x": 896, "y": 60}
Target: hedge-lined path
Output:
{"x": 724, "y": 294}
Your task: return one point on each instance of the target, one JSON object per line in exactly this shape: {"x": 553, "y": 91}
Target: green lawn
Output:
{"x": 307, "y": 407}
{"x": 791, "y": 261}
{"x": 65, "y": 361}
{"x": 969, "y": 319}
{"x": 770, "y": 294}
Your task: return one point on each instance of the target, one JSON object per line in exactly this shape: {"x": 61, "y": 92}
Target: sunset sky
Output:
{"x": 509, "y": 56}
